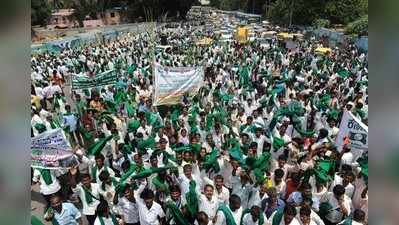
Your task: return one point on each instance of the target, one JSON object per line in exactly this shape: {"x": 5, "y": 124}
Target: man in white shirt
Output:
{"x": 221, "y": 192}
{"x": 304, "y": 216}
{"x": 286, "y": 217}
{"x": 99, "y": 166}
{"x": 150, "y": 212}
{"x": 208, "y": 202}
{"x": 254, "y": 217}
{"x": 89, "y": 194}
{"x": 49, "y": 184}
{"x": 338, "y": 205}
{"x": 127, "y": 207}
{"x": 234, "y": 210}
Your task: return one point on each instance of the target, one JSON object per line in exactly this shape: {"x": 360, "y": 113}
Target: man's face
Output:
{"x": 208, "y": 192}
{"x": 288, "y": 218}
{"x": 187, "y": 171}
{"x": 219, "y": 183}
{"x": 277, "y": 180}
{"x": 235, "y": 205}
{"x": 255, "y": 214}
{"x": 148, "y": 202}
{"x": 154, "y": 162}
{"x": 99, "y": 163}
{"x": 56, "y": 204}
{"x": 129, "y": 194}
{"x": 281, "y": 163}
{"x": 86, "y": 181}
{"x": 175, "y": 195}
{"x": 305, "y": 219}
{"x": 307, "y": 193}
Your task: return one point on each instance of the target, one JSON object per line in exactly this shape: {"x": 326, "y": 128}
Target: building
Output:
{"x": 62, "y": 19}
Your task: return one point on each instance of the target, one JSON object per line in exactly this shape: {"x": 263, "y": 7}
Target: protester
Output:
{"x": 256, "y": 144}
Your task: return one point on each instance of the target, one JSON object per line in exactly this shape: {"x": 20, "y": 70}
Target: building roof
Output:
{"x": 63, "y": 12}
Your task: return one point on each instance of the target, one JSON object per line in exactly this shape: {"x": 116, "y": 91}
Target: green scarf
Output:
{"x": 46, "y": 175}
{"x": 192, "y": 199}
{"x": 114, "y": 183}
{"x": 161, "y": 185}
{"x": 35, "y": 221}
{"x": 53, "y": 221}
{"x": 177, "y": 215}
{"x": 261, "y": 219}
{"x": 227, "y": 214}
{"x": 211, "y": 161}
{"x": 278, "y": 216}
{"x": 88, "y": 195}
{"x": 114, "y": 221}
{"x": 94, "y": 172}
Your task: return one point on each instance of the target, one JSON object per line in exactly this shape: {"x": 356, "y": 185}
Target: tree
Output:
{"x": 40, "y": 12}
{"x": 345, "y": 11}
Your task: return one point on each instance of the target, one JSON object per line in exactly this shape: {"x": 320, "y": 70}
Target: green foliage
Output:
{"x": 345, "y": 11}
{"x": 318, "y": 23}
{"x": 358, "y": 27}
{"x": 305, "y": 12}
{"x": 40, "y": 12}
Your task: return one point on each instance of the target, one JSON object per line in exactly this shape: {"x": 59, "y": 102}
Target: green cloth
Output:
{"x": 86, "y": 134}
{"x": 148, "y": 172}
{"x": 147, "y": 143}
{"x": 161, "y": 185}
{"x": 133, "y": 125}
{"x": 94, "y": 171}
{"x": 177, "y": 215}
{"x": 211, "y": 161}
{"x": 35, "y": 221}
{"x": 114, "y": 220}
{"x": 277, "y": 143}
{"x": 88, "y": 195}
{"x": 278, "y": 216}
{"x": 343, "y": 73}
{"x": 129, "y": 109}
{"x": 227, "y": 214}
{"x": 40, "y": 127}
{"x": 97, "y": 146}
{"x": 46, "y": 175}
{"x": 236, "y": 154}
{"x": 261, "y": 219}
{"x": 192, "y": 199}
{"x": 324, "y": 209}
{"x": 244, "y": 76}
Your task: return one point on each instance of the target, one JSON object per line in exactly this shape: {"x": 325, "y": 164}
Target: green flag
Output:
{"x": 97, "y": 146}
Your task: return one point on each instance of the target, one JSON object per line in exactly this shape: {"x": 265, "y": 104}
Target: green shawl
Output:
{"x": 227, "y": 214}
{"x": 261, "y": 219}
{"x": 177, "y": 215}
{"x": 46, "y": 175}
{"x": 278, "y": 216}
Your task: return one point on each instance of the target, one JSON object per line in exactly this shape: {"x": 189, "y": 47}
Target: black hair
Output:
{"x": 208, "y": 185}
{"x": 219, "y": 177}
{"x": 346, "y": 168}
{"x": 339, "y": 190}
{"x": 359, "y": 215}
{"x": 279, "y": 173}
{"x": 175, "y": 188}
{"x": 282, "y": 157}
{"x": 234, "y": 198}
{"x": 306, "y": 186}
{"x": 289, "y": 210}
{"x": 99, "y": 156}
{"x": 85, "y": 175}
{"x": 323, "y": 133}
{"x": 147, "y": 194}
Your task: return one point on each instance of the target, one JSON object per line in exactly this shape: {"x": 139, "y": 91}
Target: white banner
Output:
{"x": 355, "y": 130}
{"x": 51, "y": 150}
{"x": 171, "y": 83}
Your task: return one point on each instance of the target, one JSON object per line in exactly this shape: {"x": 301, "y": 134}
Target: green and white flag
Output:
{"x": 80, "y": 81}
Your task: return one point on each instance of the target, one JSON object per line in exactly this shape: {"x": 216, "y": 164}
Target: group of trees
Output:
{"x": 303, "y": 12}
{"x": 284, "y": 12}
{"x": 136, "y": 9}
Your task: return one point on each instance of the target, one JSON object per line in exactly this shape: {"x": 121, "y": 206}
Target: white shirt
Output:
{"x": 223, "y": 196}
{"x": 107, "y": 221}
{"x": 149, "y": 216}
{"x": 208, "y": 206}
{"x": 247, "y": 220}
{"x": 335, "y": 215}
{"x": 88, "y": 209}
{"x": 44, "y": 188}
{"x": 129, "y": 210}
{"x": 256, "y": 199}
{"x": 293, "y": 222}
{"x": 221, "y": 219}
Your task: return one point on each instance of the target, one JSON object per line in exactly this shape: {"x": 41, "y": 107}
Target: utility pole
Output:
{"x": 291, "y": 11}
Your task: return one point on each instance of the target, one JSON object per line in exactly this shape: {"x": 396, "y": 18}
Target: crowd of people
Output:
{"x": 256, "y": 144}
